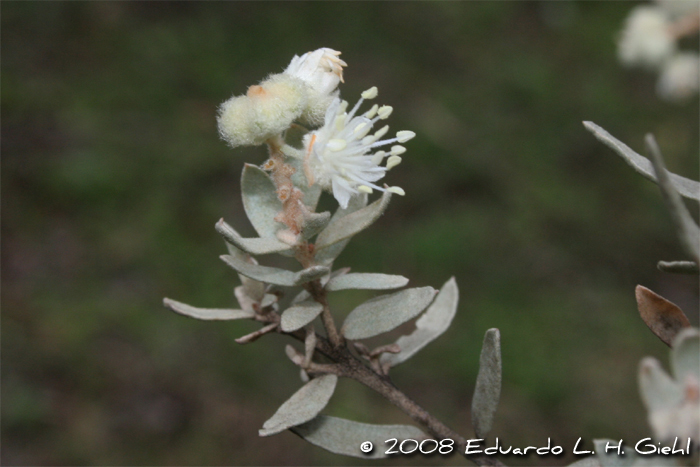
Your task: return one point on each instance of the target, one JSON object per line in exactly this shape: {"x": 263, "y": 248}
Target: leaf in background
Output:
{"x": 299, "y": 315}
{"x": 686, "y": 187}
{"x": 685, "y": 356}
{"x": 304, "y": 405}
{"x": 260, "y": 201}
{"x": 488, "y": 384}
{"x": 658, "y": 390}
{"x": 341, "y": 436}
{"x": 679, "y": 267}
{"x": 274, "y": 275}
{"x": 384, "y": 313}
{"x": 254, "y": 246}
{"x": 688, "y": 232}
{"x": 351, "y": 224}
{"x": 329, "y": 254}
{"x": 366, "y": 281}
{"x": 430, "y": 326}
{"x": 664, "y": 318}
{"x": 207, "y": 313}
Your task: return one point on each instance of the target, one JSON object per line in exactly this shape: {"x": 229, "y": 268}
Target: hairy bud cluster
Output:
{"x": 302, "y": 92}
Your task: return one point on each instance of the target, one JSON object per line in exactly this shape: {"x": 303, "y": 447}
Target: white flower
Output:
{"x": 646, "y": 39}
{"x": 322, "y": 71}
{"x": 680, "y": 77}
{"x": 338, "y": 154}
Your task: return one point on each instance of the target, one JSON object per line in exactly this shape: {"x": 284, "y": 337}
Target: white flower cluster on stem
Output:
{"x": 342, "y": 156}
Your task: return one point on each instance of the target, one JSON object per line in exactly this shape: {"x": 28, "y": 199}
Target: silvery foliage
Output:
{"x": 294, "y": 303}
{"x": 672, "y": 402}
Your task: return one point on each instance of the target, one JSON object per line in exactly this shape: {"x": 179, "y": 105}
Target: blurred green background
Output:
{"x": 114, "y": 175}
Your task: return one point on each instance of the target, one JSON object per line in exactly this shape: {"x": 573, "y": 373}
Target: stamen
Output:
{"x": 336, "y": 144}
{"x": 385, "y": 111}
{"x": 392, "y": 162}
{"x": 364, "y": 189}
{"x": 404, "y": 135}
{"x": 397, "y": 190}
{"x": 372, "y": 112}
{"x": 396, "y": 150}
{"x": 371, "y": 93}
{"x": 378, "y": 157}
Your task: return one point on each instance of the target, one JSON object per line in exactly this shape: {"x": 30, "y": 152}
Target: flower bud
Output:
{"x": 321, "y": 70}
{"x": 266, "y": 110}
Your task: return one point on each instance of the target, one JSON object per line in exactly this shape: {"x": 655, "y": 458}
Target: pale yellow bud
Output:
{"x": 266, "y": 110}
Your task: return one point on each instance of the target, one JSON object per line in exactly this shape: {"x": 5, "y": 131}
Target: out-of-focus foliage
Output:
{"x": 114, "y": 176}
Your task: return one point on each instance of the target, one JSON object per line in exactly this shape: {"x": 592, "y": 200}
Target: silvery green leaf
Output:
{"x": 260, "y": 201}
{"x": 311, "y": 193}
{"x": 303, "y": 406}
{"x": 254, "y": 290}
{"x": 685, "y": 356}
{"x": 386, "y": 312}
{"x": 679, "y": 267}
{"x": 658, "y": 390}
{"x": 351, "y": 224}
{"x": 590, "y": 461}
{"x": 300, "y": 297}
{"x": 207, "y": 313}
{"x": 274, "y": 275}
{"x": 367, "y": 281}
{"x": 488, "y": 384}
{"x": 686, "y": 187}
{"x": 341, "y": 436}
{"x": 299, "y": 315}
{"x": 688, "y": 231}
{"x": 304, "y": 295}
{"x": 314, "y": 224}
{"x": 254, "y": 246}
{"x": 432, "y": 324}
{"x": 268, "y": 299}
{"x": 329, "y": 254}
{"x": 309, "y": 274}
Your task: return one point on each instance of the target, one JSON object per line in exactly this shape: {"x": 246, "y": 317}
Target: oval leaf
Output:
{"x": 260, "y": 201}
{"x": 664, "y": 318}
{"x": 432, "y": 324}
{"x": 351, "y": 224}
{"x": 299, "y": 315}
{"x": 329, "y": 254}
{"x": 367, "y": 281}
{"x": 254, "y": 246}
{"x": 384, "y": 313}
{"x": 658, "y": 390}
{"x": 274, "y": 275}
{"x": 685, "y": 356}
{"x": 304, "y": 405}
{"x": 686, "y": 187}
{"x": 488, "y": 384}
{"x": 341, "y": 436}
{"x": 207, "y": 313}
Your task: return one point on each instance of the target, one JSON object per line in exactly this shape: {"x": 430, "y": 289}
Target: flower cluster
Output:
{"x": 650, "y": 39}
{"x": 341, "y": 156}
